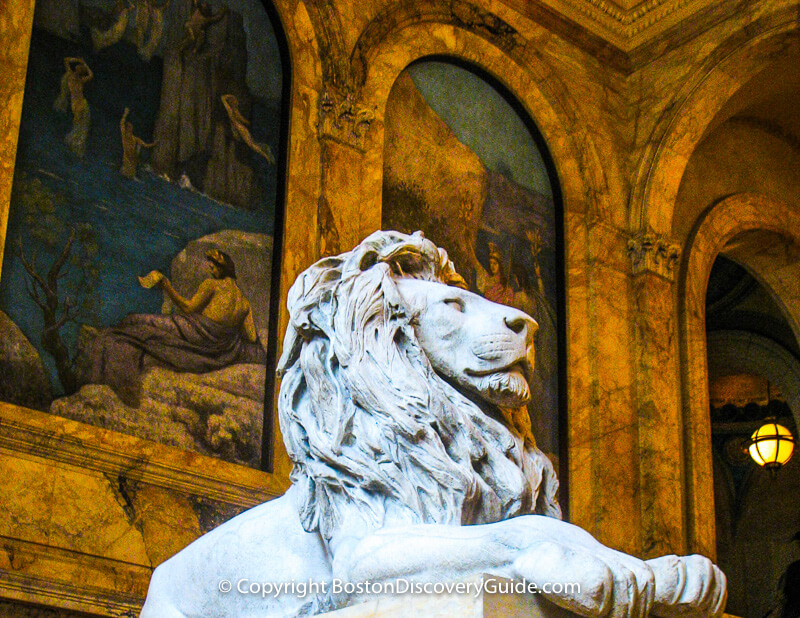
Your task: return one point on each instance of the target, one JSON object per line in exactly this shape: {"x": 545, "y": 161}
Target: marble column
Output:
{"x": 603, "y": 425}
{"x": 626, "y": 444}
{"x": 657, "y": 394}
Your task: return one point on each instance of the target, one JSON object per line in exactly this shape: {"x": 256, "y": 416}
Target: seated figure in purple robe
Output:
{"x": 213, "y": 329}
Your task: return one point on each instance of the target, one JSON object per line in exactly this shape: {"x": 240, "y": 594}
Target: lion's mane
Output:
{"x": 369, "y": 424}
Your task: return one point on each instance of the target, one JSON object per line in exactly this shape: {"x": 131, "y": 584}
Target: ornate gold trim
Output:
{"x": 627, "y": 28}
{"x": 654, "y": 254}
{"x": 343, "y": 118}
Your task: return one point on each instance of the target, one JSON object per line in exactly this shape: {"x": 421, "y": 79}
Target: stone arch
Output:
{"x": 734, "y": 217}
{"x": 328, "y": 39}
{"x": 541, "y": 94}
{"x": 682, "y": 126}
{"x": 303, "y": 183}
{"x": 306, "y": 84}
{"x": 459, "y": 13}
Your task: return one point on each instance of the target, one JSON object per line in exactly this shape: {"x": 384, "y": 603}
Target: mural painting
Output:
{"x": 135, "y": 282}
{"x": 462, "y": 165}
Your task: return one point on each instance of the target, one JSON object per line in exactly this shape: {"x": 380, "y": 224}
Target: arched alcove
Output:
{"x": 731, "y": 225}
{"x": 532, "y": 82}
{"x": 752, "y": 377}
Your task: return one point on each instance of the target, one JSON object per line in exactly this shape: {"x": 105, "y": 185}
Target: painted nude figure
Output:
{"x": 149, "y": 19}
{"x": 211, "y": 330}
{"x": 195, "y": 27}
{"x": 77, "y": 74}
{"x": 114, "y": 33}
{"x": 218, "y": 298}
{"x": 131, "y": 147}
{"x": 239, "y": 126}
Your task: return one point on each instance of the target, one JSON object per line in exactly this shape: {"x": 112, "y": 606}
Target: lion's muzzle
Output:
{"x": 497, "y": 347}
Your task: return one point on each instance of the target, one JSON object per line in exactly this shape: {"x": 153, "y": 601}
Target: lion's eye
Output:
{"x": 455, "y": 303}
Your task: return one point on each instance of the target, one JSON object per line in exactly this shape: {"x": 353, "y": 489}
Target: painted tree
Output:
{"x": 60, "y": 261}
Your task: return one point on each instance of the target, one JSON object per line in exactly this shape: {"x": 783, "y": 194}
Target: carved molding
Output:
{"x": 343, "y": 118}
{"x": 644, "y": 14}
{"x": 33, "y": 433}
{"x": 47, "y": 590}
{"x": 628, "y": 27}
{"x": 653, "y": 254}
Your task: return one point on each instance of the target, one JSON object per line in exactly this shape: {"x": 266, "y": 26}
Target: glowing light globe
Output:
{"x": 771, "y": 446}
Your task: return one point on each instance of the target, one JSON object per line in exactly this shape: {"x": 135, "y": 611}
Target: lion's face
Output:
{"x": 479, "y": 346}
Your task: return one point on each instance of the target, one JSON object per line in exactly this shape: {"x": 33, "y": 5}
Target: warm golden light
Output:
{"x": 771, "y": 445}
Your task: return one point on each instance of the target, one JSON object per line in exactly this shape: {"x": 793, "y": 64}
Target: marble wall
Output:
{"x": 15, "y": 32}
{"x": 88, "y": 513}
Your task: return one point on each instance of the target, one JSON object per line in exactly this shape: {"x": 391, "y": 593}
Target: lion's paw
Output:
{"x": 688, "y": 586}
{"x": 610, "y": 583}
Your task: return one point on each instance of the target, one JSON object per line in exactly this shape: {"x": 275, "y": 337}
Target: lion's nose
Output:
{"x": 521, "y": 324}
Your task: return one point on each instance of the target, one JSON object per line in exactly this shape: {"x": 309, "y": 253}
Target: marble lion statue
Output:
{"x": 402, "y": 406}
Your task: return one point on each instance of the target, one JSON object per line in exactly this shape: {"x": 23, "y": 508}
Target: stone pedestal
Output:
{"x": 483, "y": 596}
